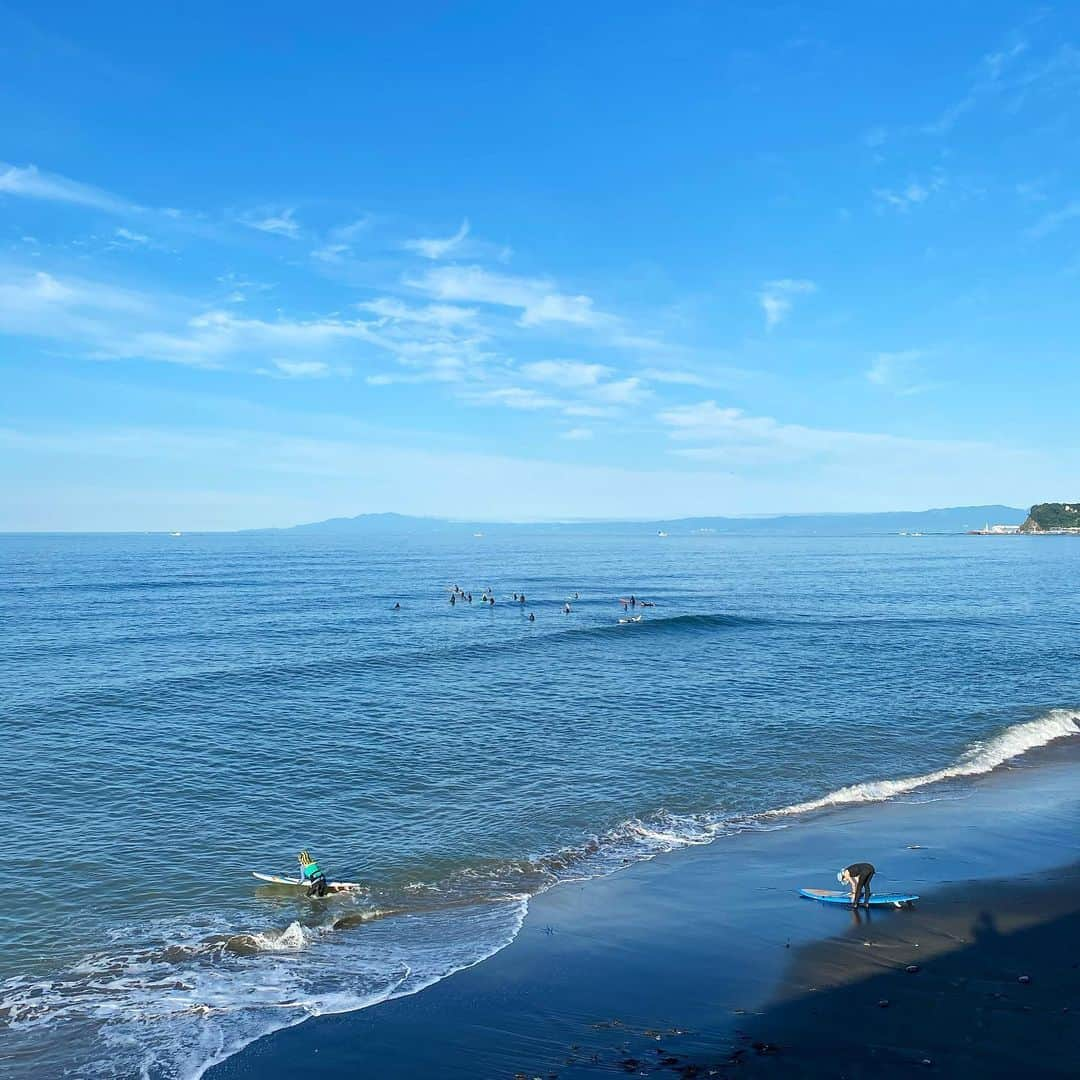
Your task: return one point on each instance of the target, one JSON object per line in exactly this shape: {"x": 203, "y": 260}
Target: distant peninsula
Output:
{"x": 1061, "y": 518}
{"x": 956, "y": 519}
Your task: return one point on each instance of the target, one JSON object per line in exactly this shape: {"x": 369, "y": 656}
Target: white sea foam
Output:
{"x": 173, "y": 1011}
{"x": 292, "y": 938}
{"x": 982, "y": 757}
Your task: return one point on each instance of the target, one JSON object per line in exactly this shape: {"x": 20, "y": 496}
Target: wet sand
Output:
{"x": 985, "y": 982}
{"x": 705, "y": 962}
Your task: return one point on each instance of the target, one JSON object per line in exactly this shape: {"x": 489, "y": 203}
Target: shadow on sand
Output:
{"x": 990, "y": 990}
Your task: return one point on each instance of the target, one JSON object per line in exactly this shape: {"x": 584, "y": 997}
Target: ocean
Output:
{"x": 178, "y": 712}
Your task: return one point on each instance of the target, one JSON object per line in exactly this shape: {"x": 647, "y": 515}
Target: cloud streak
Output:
{"x": 777, "y": 298}
{"x": 432, "y": 248}
{"x": 734, "y": 437}
{"x": 281, "y": 223}
{"x": 537, "y": 300}
{"x": 1050, "y": 223}
{"x": 29, "y": 182}
{"x": 897, "y": 372}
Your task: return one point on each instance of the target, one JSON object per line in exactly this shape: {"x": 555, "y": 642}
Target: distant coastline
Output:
{"x": 1053, "y": 519}
{"x": 948, "y": 520}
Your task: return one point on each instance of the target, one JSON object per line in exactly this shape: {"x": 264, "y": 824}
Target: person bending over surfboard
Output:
{"x": 311, "y": 874}
{"x": 858, "y": 876}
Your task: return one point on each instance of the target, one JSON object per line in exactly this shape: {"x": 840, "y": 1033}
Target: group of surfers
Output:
{"x": 458, "y": 595}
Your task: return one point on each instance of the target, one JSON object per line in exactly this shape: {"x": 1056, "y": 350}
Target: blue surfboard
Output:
{"x": 836, "y": 896}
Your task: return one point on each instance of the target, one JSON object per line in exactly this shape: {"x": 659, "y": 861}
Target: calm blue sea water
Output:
{"x": 177, "y": 712}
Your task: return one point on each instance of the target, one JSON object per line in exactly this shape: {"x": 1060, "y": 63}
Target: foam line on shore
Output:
{"x": 982, "y": 757}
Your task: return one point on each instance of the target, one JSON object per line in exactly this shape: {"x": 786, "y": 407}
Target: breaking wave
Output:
{"x": 982, "y": 757}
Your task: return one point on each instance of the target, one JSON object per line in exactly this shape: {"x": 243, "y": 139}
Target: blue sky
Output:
{"x": 262, "y": 264}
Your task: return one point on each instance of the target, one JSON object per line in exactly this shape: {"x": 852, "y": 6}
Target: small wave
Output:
{"x": 293, "y": 938}
{"x": 982, "y": 757}
{"x": 668, "y": 624}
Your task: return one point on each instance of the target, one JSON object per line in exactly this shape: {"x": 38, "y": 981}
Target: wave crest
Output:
{"x": 982, "y": 757}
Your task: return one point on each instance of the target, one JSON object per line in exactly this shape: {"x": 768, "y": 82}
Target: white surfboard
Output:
{"x": 332, "y": 886}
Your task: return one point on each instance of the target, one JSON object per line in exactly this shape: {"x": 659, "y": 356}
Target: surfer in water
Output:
{"x": 311, "y": 874}
{"x": 858, "y": 876}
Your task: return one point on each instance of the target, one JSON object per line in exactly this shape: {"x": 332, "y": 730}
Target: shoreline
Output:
{"x": 704, "y": 940}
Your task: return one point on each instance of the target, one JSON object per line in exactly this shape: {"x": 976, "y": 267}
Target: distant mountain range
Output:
{"x": 954, "y": 519}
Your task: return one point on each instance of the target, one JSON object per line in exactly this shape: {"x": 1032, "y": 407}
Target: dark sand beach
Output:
{"x": 706, "y": 963}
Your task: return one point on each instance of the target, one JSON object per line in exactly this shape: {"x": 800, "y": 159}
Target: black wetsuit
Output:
{"x": 860, "y": 874}
{"x": 312, "y": 875}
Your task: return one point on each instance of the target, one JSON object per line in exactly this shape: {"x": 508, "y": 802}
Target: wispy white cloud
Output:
{"x": 570, "y": 374}
{"x": 537, "y": 299}
{"x": 988, "y": 80}
{"x": 777, "y": 298}
{"x": 586, "y": 411}
{"x": 898, "y": 372}
{"x": 280, "y": 223}
{"x": 29, "y": 182}
{"x": 628, "y": 391}
{"x": 67, "y": 310}
{"x": 303, "y": 369}
{"x": 241, "y": 288}
{"x": 103, "y": 321}
{"x": 516, "y": 397}
{"x": 1050, "y": 223}
{"x": 129, "y": 238}
{"x": 732, "y": 436}
{"x": 914, "y": 193}
{"x": 352, "y": 230}
{"x": 720, "y": 378}
{"x": 592, "y": 384}
{"x": 407, "y": 378}
{"x": 577, "y": 434}
{"x": 338, "y": 244}
{"x": 391, "y": 309}
{"x": 331, "y": 253}
{"x": 434, "y": 248}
